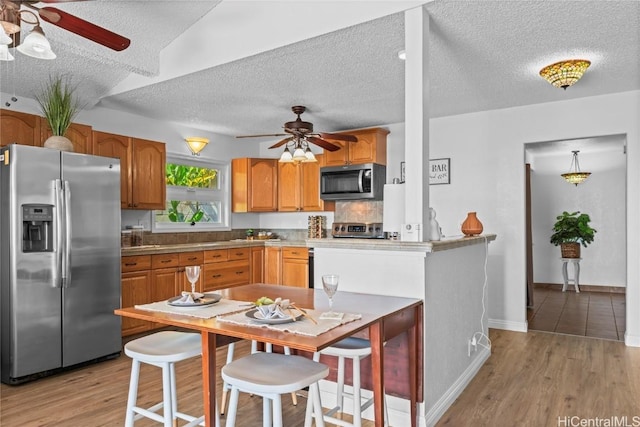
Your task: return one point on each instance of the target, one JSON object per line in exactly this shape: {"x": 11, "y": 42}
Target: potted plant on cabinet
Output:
{"x": 59, "y": 107}
{"x": 570, "y": 231}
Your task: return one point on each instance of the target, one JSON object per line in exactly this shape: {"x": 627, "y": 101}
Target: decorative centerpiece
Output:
{"x": 249, "y": 234}
{"x": 471, "y": 226}
{"x": 570, "y": 231}
{"x": 59, "y": 107}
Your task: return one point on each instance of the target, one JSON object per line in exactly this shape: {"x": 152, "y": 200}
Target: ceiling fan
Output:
{"x": 299, "y": 133}
{"x": 10, "y": 19}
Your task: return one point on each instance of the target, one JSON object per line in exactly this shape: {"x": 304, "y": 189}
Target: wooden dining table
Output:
{"x": 383, "y": 318}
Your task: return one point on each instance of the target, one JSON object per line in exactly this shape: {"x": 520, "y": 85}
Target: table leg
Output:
{"x": 414, "y": 336}
{"x": 565, "y": 276}
{"x": 209, "y": 377}
{"x": 377, "y": 371}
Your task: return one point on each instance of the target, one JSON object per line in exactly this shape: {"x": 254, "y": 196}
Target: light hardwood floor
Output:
{"x": 531, "y": 379}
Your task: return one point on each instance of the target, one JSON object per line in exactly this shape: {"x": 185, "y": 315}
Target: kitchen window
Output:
{"x": 198, "y": 197}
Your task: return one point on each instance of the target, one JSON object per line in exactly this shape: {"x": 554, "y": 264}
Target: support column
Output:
{"x": 417, "y": 119}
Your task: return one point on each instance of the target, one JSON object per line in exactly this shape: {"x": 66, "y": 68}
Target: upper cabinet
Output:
{"x": 370, "y": 148}
{"x": 19, "y": 128}
{"x": 142, "y": 169}
{"x": 254, "y": 185}
{"x": 299, "y": 187}
{"x": 81, "y": 136}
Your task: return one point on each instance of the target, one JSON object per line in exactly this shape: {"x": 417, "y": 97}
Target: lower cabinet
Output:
{"x": 257, "y": 264}
{"x": 136, "y": 289}
{"x": 224, "y": 268}
{"x": 288, "y": 266}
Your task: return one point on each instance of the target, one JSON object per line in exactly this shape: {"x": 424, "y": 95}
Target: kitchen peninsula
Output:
{"x": 449, "y": 275}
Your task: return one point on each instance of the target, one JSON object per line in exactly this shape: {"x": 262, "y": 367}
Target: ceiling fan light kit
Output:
{"x": 36, "y": 45}
{"x": 563, "y": 74}
{"x": 196, "y": 144}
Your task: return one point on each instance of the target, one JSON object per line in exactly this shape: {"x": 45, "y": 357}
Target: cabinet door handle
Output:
{"x": 217, "y": 256}
{"x": 130, "y": 264}
{"x": 164, "y": 261}
{"x": 216, "y": 276}
{"x": 192, "y": 258}
{"x": 239, "y": 272}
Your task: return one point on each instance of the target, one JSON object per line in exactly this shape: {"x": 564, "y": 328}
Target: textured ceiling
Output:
{"x": 483, "y": 55}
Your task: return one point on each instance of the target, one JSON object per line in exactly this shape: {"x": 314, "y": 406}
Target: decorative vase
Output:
{"x": 570, "y": 250}
{"x": 57, "y": 142}
{"x": 471, "y": 225}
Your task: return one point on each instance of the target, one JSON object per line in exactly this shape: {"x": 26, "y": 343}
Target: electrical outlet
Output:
{"x": 472, "y": 344}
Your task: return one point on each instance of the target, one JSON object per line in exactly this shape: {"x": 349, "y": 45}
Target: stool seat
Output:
{"x": 162, "y": 349}
{"x": 165, "y": 346}
{"x": 349, "y": 347}
{"x": 269, "y": 375}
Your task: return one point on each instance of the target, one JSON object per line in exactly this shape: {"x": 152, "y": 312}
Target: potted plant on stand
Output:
{"x": 570, "y": 231}
{"x": 59, "y": 107}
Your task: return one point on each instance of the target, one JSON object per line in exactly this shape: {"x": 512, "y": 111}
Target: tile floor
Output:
{"x": 590, "y": 314}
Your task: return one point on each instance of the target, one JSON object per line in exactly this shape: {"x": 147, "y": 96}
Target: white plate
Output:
{"x": 257, "y": 316}
{"x": 208, "y": 299}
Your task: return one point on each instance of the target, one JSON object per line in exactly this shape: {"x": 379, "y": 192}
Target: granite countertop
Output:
{"x": 342, "y": 243}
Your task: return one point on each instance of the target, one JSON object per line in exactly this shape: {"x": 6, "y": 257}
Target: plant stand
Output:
{"x": 576, "y": 273}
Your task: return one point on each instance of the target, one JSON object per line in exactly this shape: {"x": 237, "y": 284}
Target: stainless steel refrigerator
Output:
{"x": 59, "y": 260}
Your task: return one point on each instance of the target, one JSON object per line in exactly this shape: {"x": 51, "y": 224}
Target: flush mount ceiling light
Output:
{"x": 575, "y": 176}
{"x": 297, "y": 151}
{"x": 565, "y": 73}
{"x": 196, "y": 144}
{"x": 35, "y": 44}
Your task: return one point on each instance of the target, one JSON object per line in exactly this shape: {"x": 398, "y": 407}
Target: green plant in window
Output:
{"x": 190, "y": 176}
{"x": 176, "y": 215}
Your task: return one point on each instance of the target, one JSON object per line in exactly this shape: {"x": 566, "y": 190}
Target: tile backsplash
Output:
{"x": 358, "y": 211}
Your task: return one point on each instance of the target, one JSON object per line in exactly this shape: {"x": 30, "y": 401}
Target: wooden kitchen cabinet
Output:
{"x": 299, "y": 187}
{"x": 142, "y": 169}
{"x": 370, "y": 148}
{"x": 225, "y": 268}
{"x": 136, "y": 289}
{"x": 257, "y": 264}
{"x": 254, "y": 185}
{"x": 81, "y": 136}
{"x": 19, "y": 128}
{"x": 273, "y": 265}
{"x": 295, "y": 267}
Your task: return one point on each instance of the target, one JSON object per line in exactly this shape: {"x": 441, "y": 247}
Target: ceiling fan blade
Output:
{"x": 83, "y": 28}
{"x": 339, "y": 137}
{"x": 259, "y": 136}
{"x": 322, "y": 143}
{"x": 281, "y": 143}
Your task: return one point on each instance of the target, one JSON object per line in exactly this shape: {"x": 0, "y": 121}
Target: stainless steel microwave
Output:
{"x": 353, "y": 182}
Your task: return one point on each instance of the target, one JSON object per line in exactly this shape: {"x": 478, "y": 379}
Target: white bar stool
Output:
{"x": 576, "y": 273}
{"x": 254, "y": 349}
{"x": 270, "y": 375}
{"x": 355, "y": 349}
{"x": 162, "y": 349}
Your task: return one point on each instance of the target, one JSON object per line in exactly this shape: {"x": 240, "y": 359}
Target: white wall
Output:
{"x": 603, "y": 198}
{"x": 487, "y": 176}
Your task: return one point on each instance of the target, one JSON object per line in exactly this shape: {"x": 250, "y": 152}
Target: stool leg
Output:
{"x": 340, "y": 381}
{"x": 174, "y": 394}
{"x": 233, "y": 407}
{"x": 309, "y": 413}
{"x": 266, "y": 412}
{"x": 294, "y": 397}
{"x": 576, "y": 275}
{"x": 225, "y": 387}
{"x": 133, "y": 392}
{"x": 277, "y": 410}
{"x": 357, "y": 400}
{"x": 166, "y": 395}
{"x": 314, "y": 396}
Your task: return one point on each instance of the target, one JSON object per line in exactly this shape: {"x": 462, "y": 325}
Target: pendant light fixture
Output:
{"x": 565, "y": 73}
{"x": 575, "y": 176}
{"x": 196, "y": 144}
{"x": 35, "y": 44}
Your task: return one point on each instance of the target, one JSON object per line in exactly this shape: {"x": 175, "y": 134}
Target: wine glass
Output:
{"x": 193, "y": 272}
{"x": 330, "y": 285}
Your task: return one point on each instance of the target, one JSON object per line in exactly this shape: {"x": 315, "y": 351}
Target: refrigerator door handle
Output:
{"x": 59, "y": 233}
{"x": 66, "y": 261}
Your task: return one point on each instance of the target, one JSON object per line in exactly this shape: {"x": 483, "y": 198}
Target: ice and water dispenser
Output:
{"x": 37, "y": 228}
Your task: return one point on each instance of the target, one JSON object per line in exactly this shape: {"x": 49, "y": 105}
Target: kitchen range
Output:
{"x": 361, "y": 230}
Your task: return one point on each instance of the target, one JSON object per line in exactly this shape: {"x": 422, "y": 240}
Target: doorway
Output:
{"x": 599, "y": 309}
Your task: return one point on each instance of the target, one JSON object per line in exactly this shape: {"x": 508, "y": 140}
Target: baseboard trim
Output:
{"x": 440, "y": 407}
{"x": 588, "y": 288}
{"x": 508, "y": 325}
{"x": 631, "y": 340}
